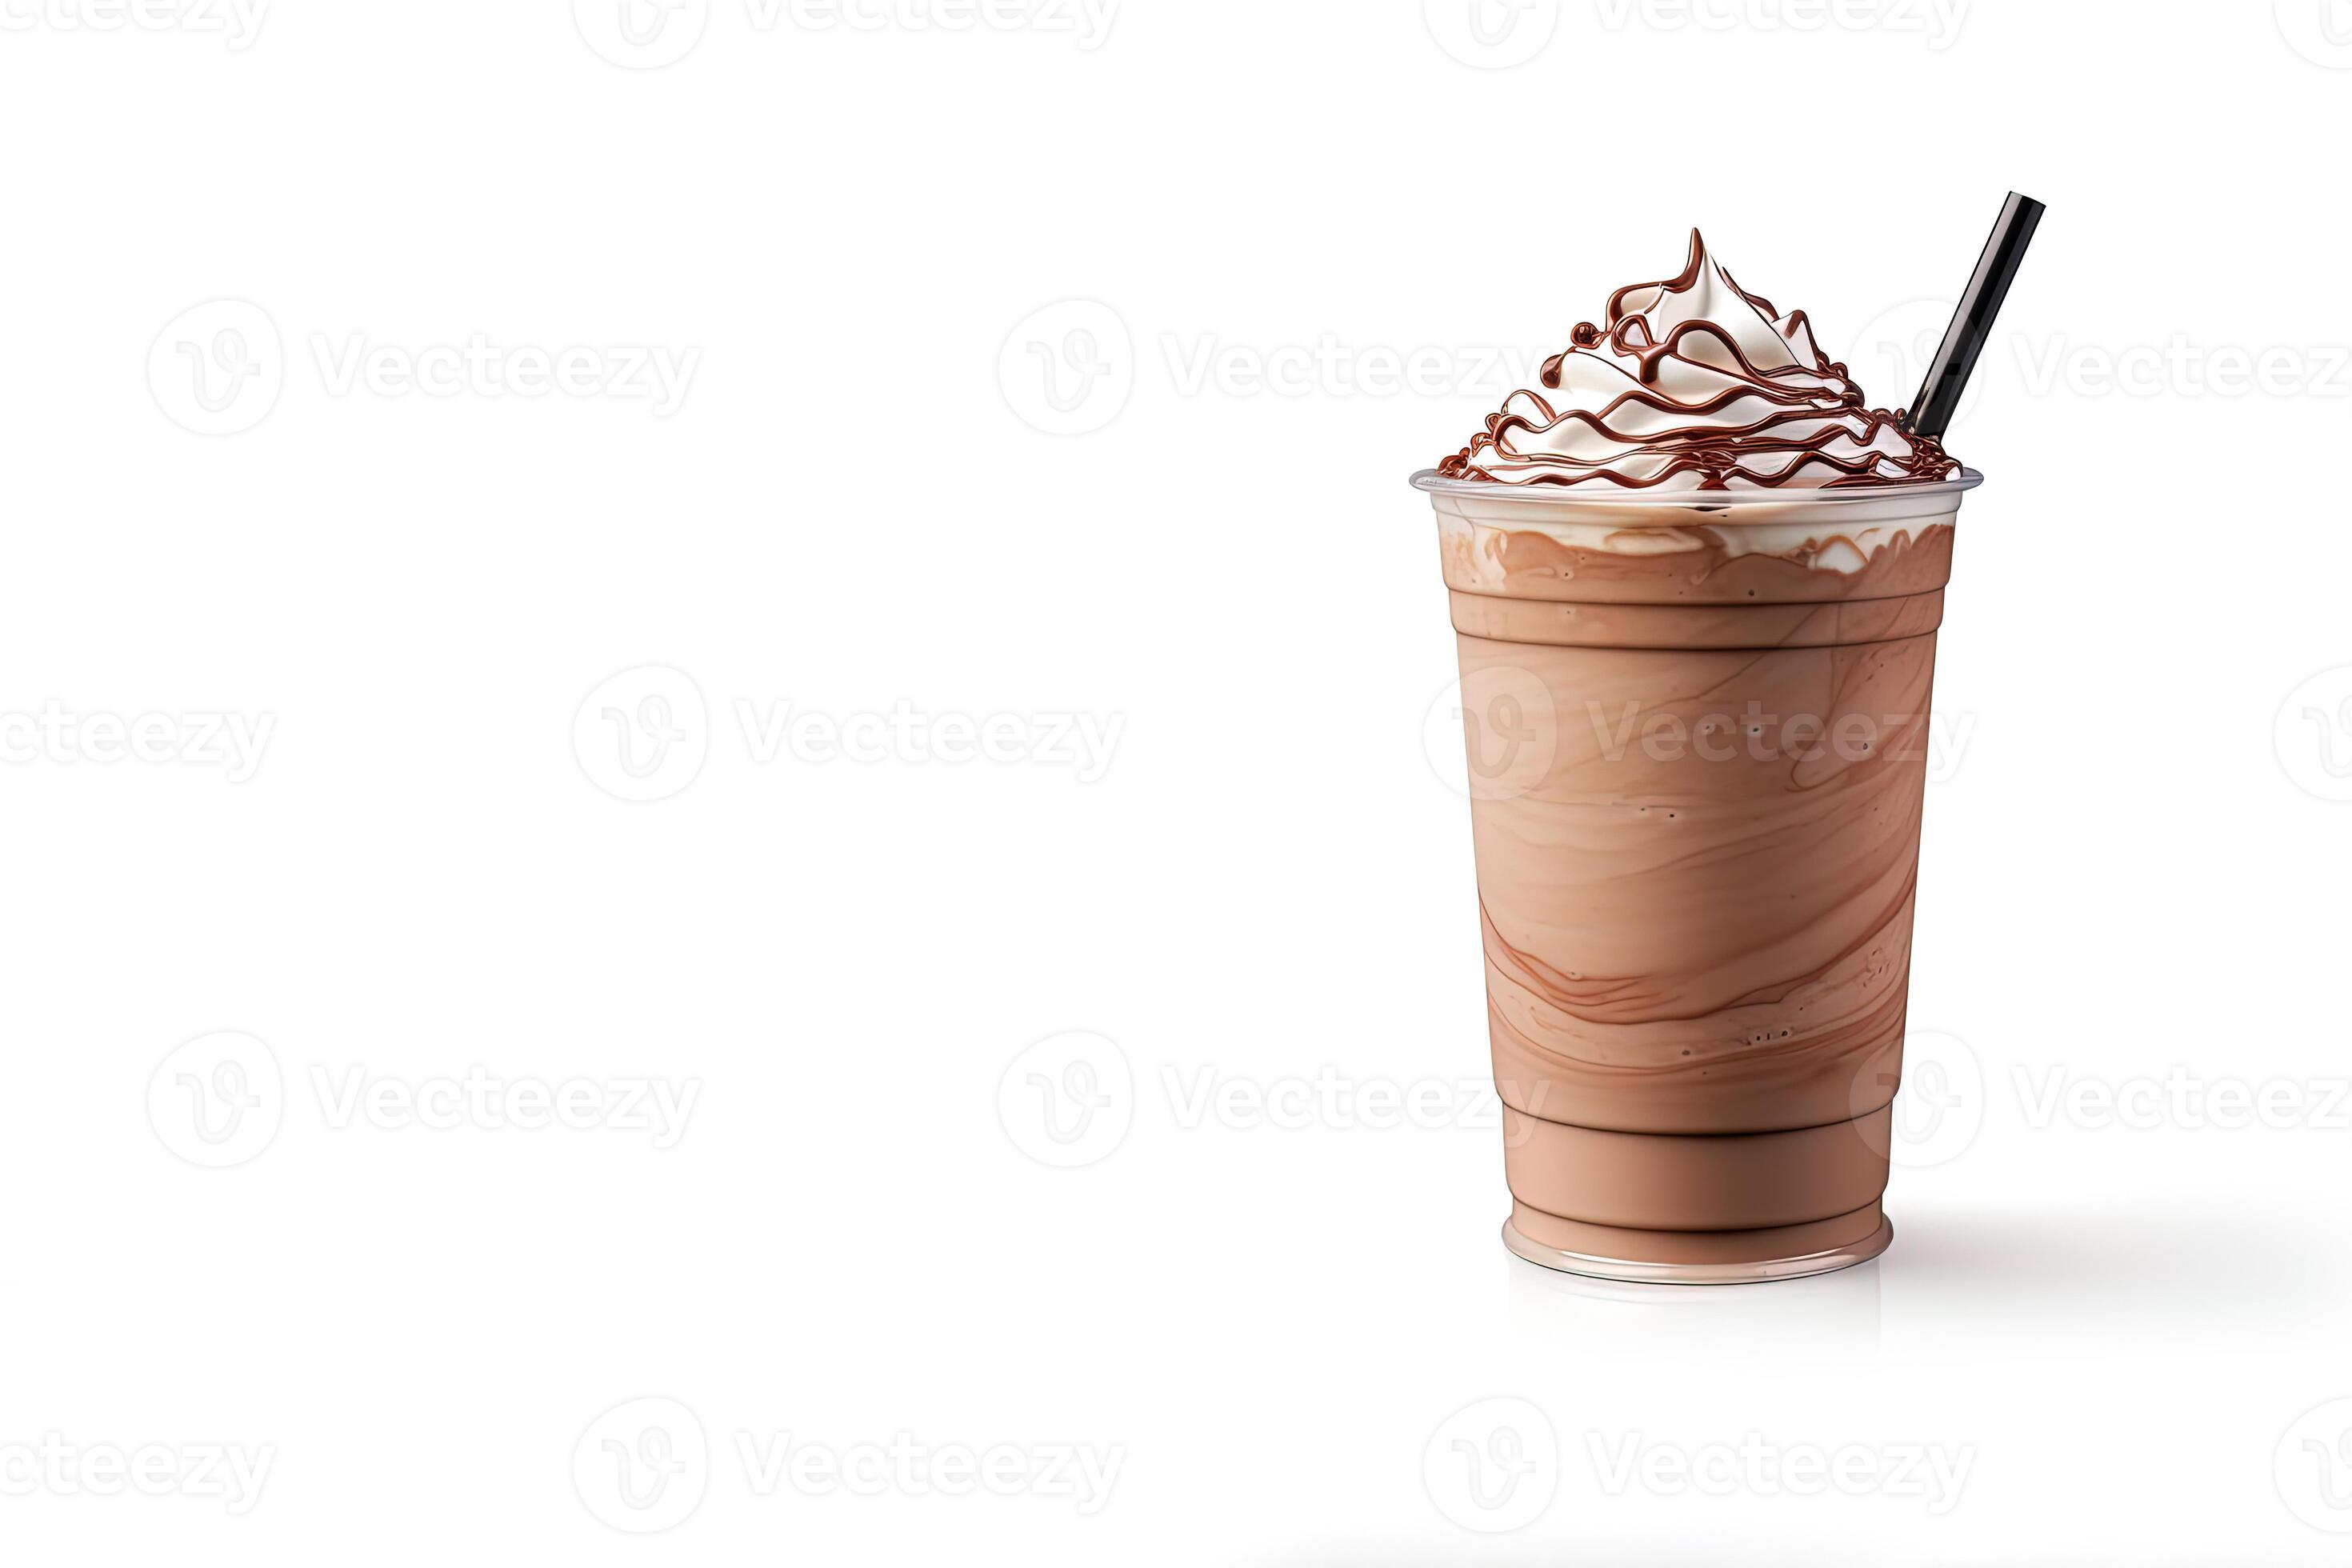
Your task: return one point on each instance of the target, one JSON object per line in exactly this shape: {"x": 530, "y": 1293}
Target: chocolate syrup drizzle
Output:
{"x": 1817, "y": 434}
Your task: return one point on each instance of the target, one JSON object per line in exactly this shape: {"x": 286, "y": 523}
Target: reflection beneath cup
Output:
{"x": 1829, "y": 1317}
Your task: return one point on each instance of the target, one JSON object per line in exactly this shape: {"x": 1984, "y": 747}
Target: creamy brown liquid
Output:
{"x": 1698, "y": 770}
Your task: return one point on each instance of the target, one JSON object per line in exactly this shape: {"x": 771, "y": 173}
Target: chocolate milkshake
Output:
{"x": 1697, "y": 579}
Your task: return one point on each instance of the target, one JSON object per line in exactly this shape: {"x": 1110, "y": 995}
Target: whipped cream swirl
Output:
{"x": 1696, "y": 383}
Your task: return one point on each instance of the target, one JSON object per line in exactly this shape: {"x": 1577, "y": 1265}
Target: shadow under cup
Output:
{"x": 1697, "y": 732}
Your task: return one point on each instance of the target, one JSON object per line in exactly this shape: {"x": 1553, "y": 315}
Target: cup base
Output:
{"x": 1751, "y": 1271}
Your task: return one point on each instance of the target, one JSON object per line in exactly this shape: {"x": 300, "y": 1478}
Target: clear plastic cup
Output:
{"x": 1697, "y": 732}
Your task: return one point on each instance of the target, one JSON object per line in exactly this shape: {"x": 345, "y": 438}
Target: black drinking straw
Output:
{"x": 1947, "y": 372}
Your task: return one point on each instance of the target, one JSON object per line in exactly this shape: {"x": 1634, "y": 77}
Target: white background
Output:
{"x": 1278, "y": 1333}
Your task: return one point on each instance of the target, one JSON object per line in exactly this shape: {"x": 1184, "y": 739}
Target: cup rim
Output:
{"x": 1617, "y": 498}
